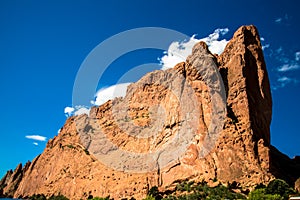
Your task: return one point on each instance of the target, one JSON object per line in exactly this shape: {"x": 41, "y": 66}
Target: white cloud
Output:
{"x": 288, "y": 67}
{"x": 287, "y": 63}
{"x": 178, "y": 51}
{"x": 105, "y": 94}
{"x": 68, "y": 111}
{"x": 79, "y": 110}
{"x": 58, "y": 131}
{"x": 217, "y": 46}
{"x": 36, "y": 137}
{"x": 102, "y": 96}
{"x": 36, "y": 144}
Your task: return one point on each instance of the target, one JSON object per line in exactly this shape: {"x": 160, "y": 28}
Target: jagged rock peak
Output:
{"x": 201, "y": 47}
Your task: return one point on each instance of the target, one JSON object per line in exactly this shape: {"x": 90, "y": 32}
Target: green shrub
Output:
{"x": 185, "y": 186}
{"x": 201, "y": 190}
{"x": 149, "y": 197}
{"x": 58, "y": 197}
{"x": 276, "y": 190}
{"x": 70, "y": 146}
{"x": 260, "y": 186}
{"x": 38, "y": 197}
{"x": 100, "y": 198}
{"x": 153, "y": 191}
{"x": 260, "y": 193}
{"x": 170, "y": 197}
{"x": 43, "y": 197}
{"x": 279, "y": 187}
{"x": 222, "y": 192}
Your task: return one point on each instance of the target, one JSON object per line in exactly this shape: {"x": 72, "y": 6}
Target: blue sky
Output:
{"x": 43, "y": 43}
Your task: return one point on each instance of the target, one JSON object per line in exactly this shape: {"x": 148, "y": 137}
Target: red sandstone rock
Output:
{"x": 241, "y": 152}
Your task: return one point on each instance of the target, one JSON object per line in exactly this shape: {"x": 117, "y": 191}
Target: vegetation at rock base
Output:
{"x": 275, "y": 190}
{"x": 43, "y": 197}
{"x": 189, "y": 190}
{"x": 59, "y": 197}
{"x": 261, "y": 194}
{"x": 98, "y": 198}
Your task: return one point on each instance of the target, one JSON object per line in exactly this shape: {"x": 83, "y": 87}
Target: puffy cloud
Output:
{"x": 217, "y": 46}
{"x": 105, "y": 94}
{"x": 69, "y": 111}
{"x": 77, "y": 110}
{"x": 214, "y": 44}
{"x": 102, "y": 96}
{"x": 36, "y": 137}
{"x": 35, "y": 143}
{"x": 178, "y": 51}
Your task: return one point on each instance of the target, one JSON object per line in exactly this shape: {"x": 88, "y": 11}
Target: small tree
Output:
{"x": 153, "y": 193}
{"x": 260, "y": 193}
{"x": 280, "y": 187}
{"x": 38, "y": 197}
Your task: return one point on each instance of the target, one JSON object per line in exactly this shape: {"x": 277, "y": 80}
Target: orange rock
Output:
{"x": 182, "y": 100}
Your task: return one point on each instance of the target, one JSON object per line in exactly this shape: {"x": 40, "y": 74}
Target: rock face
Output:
{"x": 186, "y": 100}
{"x": 10, "y": 182}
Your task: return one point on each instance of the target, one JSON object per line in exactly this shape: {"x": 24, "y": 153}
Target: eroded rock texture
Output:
{"x": 188, "y": 101}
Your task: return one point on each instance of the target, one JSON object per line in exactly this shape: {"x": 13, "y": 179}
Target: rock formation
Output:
{"x": 240, "y": 152}
{"x": 10, "y": 182}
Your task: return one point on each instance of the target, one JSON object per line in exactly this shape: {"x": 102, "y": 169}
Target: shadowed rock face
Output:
{"x": 188, "y": 100}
